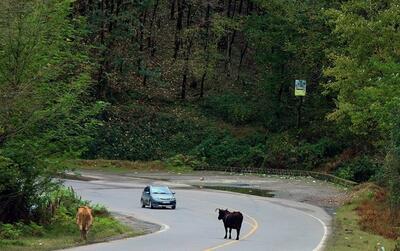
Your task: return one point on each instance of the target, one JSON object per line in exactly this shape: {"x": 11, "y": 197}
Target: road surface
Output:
{"x": 269, "y": 223}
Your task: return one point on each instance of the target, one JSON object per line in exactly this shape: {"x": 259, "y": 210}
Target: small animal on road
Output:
{"x": 84, "y": 219}
{"x": 231, "y": 220}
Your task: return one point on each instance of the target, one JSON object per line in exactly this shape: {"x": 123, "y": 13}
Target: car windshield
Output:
{"x": 160, "y": 190}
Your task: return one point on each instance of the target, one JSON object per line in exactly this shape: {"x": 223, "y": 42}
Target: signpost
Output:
{"x": 300, "y": 88}
{"x": 300, "y": 91}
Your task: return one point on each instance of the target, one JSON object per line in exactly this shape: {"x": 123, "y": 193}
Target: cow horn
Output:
{"x": 216, "y": 209}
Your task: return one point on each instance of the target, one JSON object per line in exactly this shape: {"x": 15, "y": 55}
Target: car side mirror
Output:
{"x": 173, "y": 192}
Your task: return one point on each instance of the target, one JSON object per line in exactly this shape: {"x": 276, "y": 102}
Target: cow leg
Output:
{"x": 230, "y": 233}
{"x": 237, "y": 233}
{"x": 84, "y": 232}
{"x": 226, "y": 232}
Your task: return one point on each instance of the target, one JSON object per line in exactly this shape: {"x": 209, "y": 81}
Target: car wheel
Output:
{"x": 142, "y": 202}
{"x": 173, "y": 207}
{"x": 151, "y": 204}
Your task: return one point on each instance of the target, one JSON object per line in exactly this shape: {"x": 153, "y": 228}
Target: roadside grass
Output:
{"x": 348, "y": 233}
{"x": 172, "y": 165}
{"x": 67, "y": 235}
{"x": 116, "y": 165}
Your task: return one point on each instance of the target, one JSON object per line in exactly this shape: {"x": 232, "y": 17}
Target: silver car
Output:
{"x": 158, "y": 196}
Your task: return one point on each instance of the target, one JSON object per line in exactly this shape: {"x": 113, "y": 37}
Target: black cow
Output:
{"x": 231, "y": 220}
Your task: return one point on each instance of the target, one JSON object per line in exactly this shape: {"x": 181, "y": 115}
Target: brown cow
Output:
{"x": 84, "y": 219}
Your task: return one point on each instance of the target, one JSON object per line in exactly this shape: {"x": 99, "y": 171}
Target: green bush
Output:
{"x": 184, "y": 163}
{"x": 231, "y": 107}
{"x": 222, "y": 149}
{"x": 281, "y": 150}
{"x": 397, "y": 247}
{"x": 359, "y": 169}
{"x": 284, "y": 150}
{"x": 14, "y": 231}
{"x": 35, "y": 230}
{"x": 31, "y": 229}
{"x": 15, "y": 189}
{"x": 311, "y": 155}
{"x": 100, "y": 211}
{"x": 139, "y": 134}
{"x": 9, "y": 231}
{"x": 392, "y": 178}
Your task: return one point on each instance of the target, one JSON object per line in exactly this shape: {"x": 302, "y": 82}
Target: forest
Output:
{"x": 206, "y": 83}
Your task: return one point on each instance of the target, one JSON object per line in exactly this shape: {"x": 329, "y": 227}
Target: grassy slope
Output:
{"x": 58, "y": 237}
{"x": 348, "y": 235}
{"x": 117, "y": 165}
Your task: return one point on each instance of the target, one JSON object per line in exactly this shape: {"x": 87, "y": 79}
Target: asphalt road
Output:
{"x": 269, "y": 223}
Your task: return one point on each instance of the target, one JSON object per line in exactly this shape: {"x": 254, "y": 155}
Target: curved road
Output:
{"x": 269, "y": 224}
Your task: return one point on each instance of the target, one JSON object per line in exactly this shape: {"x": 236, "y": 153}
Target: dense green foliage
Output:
{"x": 45, "y": 111}
{"x": 198, "y": 83}
{"x": 59, "y": 230}
{"x": 366, "y": 79}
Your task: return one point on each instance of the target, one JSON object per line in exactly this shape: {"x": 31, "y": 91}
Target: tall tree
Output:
{"x": 45, "y": 73}
{"x": 365, "y": 71}
{"x": 365, "y": 78}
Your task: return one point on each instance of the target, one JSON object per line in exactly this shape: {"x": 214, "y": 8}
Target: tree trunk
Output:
{"x": 141, "y": 66}
{"x": 186, "y": 69}
{"x": 178, "y": 28}
{"x": 240, "y": 7}
{"x": 299, "y": 112}
{"x": 152, "y": 40}
{"x": 203, "y": 78}
{"x": 172, "y": 13}
{"x": 242, "y": 54}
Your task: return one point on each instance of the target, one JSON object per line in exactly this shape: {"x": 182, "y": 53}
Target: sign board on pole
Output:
{"x": 299, "y": 87}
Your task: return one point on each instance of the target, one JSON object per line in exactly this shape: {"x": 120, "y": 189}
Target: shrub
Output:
{"x": 220, "y": 149}
{"x": 184, "y": 163}
{"x": 392, "y": 177}
{"x": 280, "y": 150}
{"x": 253, "y": 156}
{"x": 230, "y": 107}
{"x": 100, "y": 211}
{"x": 311, "y": 155}
{"x": 397, "y": 246}
{"x": 35, "y": 229}
{"x": 140, "y": 134}
{"x": 30, "y": 229}
{"x": 359, "y": 169}
{"x": 9, "y": 231}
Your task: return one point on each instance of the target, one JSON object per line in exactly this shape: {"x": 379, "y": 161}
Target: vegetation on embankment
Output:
{"x": 57, "y": 227}
{"x": 365, "y": 222}
{"x": 177, "y": 164}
